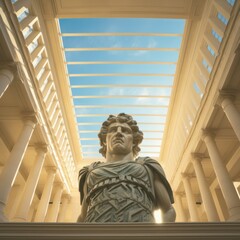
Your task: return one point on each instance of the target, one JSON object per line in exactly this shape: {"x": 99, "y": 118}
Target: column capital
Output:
{"x": 66, "y": 196}
{"x": 187, "y": 176}
{"x": 7, "y": 72}
{"x": 181, "y": 194}
{"x": 207, "y": 133}
{"x": 184, "y": 175}
{"x": 51, "y": 169}
{"x": 10, "y": 66}
{"x": 41, "y": 147}
{"x": 29, "y": 116}
{"x": 197, "y": 156}
{"x": 58, "y": 185}
{"x": 229, "y": 94}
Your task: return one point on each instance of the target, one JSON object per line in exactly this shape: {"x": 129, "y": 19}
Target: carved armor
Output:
{"x": 121, "y": 191}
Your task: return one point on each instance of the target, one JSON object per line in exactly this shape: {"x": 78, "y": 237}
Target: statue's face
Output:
{"x": 119, "y": 139}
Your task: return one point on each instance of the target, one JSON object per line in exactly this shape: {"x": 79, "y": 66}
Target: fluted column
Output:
{"x": 207, "y": 198}
{"x": 13, "y": 163}
{"x": 225, "y": 182}
{"x": 231, "y": 112}
{"x": 56, "y": 203}
{"x": 44, "y": 201}
{"x": 6, "y": 77}
{"x": 178, "y": 200}
{"x": 190, "y": 199}
{"x": 30, "y": 186}
{"x": 63, "y": 208}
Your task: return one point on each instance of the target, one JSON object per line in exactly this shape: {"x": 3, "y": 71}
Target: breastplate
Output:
{"x": 119, "y": 192}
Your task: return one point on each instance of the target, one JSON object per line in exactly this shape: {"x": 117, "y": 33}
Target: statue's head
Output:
{"x": 125, "y": 121}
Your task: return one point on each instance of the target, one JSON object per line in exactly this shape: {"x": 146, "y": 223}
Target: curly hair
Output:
{"x": 122, "y": 118}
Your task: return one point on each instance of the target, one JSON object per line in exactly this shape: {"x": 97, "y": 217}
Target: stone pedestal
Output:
{"x": 124, "y": 231}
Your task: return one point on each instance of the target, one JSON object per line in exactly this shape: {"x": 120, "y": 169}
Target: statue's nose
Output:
{"x": 119, "y": 130}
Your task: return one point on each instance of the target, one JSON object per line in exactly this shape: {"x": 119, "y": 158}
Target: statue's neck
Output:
{"x": 117, "y": 157}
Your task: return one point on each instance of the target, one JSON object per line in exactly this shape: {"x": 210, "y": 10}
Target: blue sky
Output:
{"x": 141, "y": 67}
{"x": 111, "y": 25}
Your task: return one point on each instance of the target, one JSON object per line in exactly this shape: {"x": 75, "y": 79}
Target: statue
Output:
{"x": 123, "y": 189}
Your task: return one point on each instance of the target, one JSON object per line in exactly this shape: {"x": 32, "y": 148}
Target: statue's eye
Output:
{"x": 112, "y": 130}
{"x": 127, "y": 130}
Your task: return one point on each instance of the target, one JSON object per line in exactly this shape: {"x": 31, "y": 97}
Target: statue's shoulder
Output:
{"x": 83, "y": 175}
{"x": 88, "y": 168}
{"x": 157, "y": 169}
{"x": 151, "y": 163}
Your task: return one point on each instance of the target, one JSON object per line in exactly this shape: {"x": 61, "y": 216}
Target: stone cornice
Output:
{"x": 166, "y": 231}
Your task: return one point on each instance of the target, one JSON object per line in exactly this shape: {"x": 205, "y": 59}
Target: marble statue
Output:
{"x": 125, "y": 188}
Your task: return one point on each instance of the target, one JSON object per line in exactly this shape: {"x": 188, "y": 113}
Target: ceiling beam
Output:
{"x": 119, "y": 74}
{"x": 96, "y": 152}
{"x": 100, "y": 123}
{"x": 188, "y": 9}
{"x": 100, "y": 114}
{"x": 120, "y": 34}
{"x": 120, "y": 86}
{"x": 119, "y": 106}
{"x": 142, "y": 146}
{"x": 97, "y": 131}
{"x": 122, "y": 62}
{"x": 119, "y": 49}
{"x": 145, "y": 139}
{"x": 121, "y": 96}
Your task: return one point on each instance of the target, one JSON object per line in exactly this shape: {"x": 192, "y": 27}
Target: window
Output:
{"x": 121, "y": 65}
{"x": 206, "y": 65}
{"x": 222, "y": 18}
{"x": 23, "y": 15}
{"x": 216, "y": 36}
{"x": 231, "y": 2}
{"x": 211, "y": 51}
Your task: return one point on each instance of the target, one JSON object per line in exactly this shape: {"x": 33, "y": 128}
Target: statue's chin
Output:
{"x": 119, "y": 149}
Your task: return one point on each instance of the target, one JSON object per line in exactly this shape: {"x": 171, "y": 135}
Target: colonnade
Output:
{"x": 21, "y": 205}
{"x": 21, "y": 208}
{"x": 222, "y": 175}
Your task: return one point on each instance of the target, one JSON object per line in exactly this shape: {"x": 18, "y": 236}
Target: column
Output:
{"x": 13, "y": 200}
{"x": 63, "y": 208}
{"x": 224, "y": 180}
{"x": 207, "y": 198}
{"x": 44, "y": 201}
{"x": 30, "y": 186}
{"x": 190, "y": 199}
{"x": 6, "y": 77}
{"x": 181, "y": 212}
{"x": 13, "y": 163}
{"x": 56, "y": 203}
{"x": 31, "y": 213}
{"x": 232, "y": 113}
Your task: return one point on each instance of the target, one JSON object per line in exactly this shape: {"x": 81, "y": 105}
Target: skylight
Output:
{"x": 121, "y": 65}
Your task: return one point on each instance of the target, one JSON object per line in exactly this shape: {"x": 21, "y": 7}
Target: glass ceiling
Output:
{"x": 119, "y": 65}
